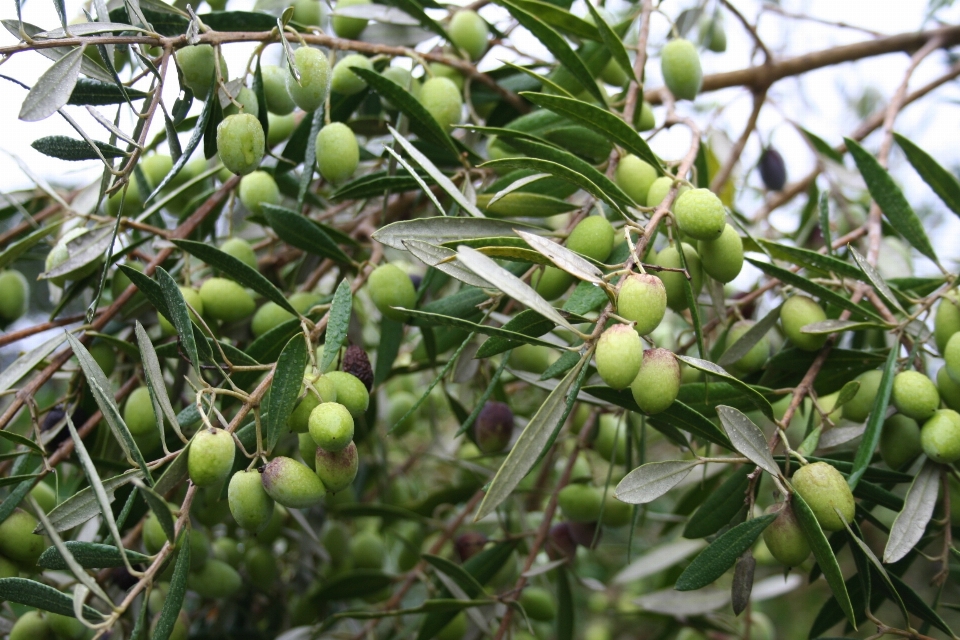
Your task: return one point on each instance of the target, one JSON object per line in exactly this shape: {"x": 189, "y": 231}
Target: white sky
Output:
{"x": 816, "y": 100}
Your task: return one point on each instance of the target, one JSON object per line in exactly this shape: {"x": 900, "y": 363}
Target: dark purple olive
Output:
{"x": 494, "y": 427}
{"x": 560, "y": 542}
{"x": 416, "y": 279}
{"x": 357, "y": 363}
{"x": 469, "y": 544}
{"x": 585, "y": 534}
{"x": 772, "y": 169}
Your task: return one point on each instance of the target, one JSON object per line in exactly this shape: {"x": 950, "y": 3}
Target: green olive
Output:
{"x": 321, "y": 389}
{"x": 580, "y": 502}
{"x": 196, "y": 63}
{"x": 635, "y": 176}
{"x": 859, "y": 407}
{"x": 138, "y": 412}
{"x": 210, "y": 457}
{"x": 915, "y": 395}
{"x": 292, "y": 483}
{"x": 659, "y": 189}
{"x": 796, "y": 313}
{"x": 825, "y": 491}
{"x": 14, "y": 295}
{"x": 344, "y": 80}
{"x": 31, "y": 626}
{"x": 18, "y": 542}
{"x": 441, "y": 98}
{"x": 240, "y": 143}
{"x": 367, "y": 550}
{"x": 257, "y": 189}
{"x": 784, "y": 537}
{"x": 469, "y": 32}
{"x": 713, "y": 35}
{"x": 216, "y": 579}
{"x": 314, "y": 68}
{"x": 610, "y": 439}
{"x": 346, "y": 27}
{"x": 951, "y": 355}
{"x": 402, "y": 77}
{"x": 261, "y": 565}
{"x": 249, "y": 503}
{"x": 281, "y": 127}
{"x": 241, "y": 250}
{"x": 247, "y": 101}
{"x": 390, "y": 287}
{"x": 538, "y": 603}
{"x": 949, "y": 390}
{"x": 643, "y": 118}
{"x": 331, "y": 426}
{"x": 225, "y": 300}
{"x": 614, "y": 74}
{"x": 337, "y": 152}
{"x": 700, "y": 214}
{"x": 673, "y": 281}
{"x": 756, "y": 357}
{"x": 191, "y": 297}
{"x": 531, "y": 357}
{"x": 440, "y": 70}
{"x": 680, "y": 64}
{"x": 658, "y": 382}
{"x": 946, "y": 322}
{"x": 642, "y": 299}
{"x": 900, "y": 441}
{"x": 307, "y": 12}
{"x": 551, "y": 283}
{"x": 593, "y": 237}
{"x": 350, "y": 392}
{"x": 722, "y": 259}
{"x": 275, "y": 91}
{"x": 67, "y": 627}
{"x": 940, "y": 436}
{"x": 619, "y": 355}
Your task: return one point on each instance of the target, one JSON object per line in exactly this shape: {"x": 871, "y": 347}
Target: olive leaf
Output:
{"x": 648, "y": 482}
{"x": 911, "y": 522}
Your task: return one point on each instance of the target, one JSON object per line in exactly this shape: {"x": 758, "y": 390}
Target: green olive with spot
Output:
{"x": 240, "y": 143}
{"x": 826, "y": 492}
{"x": 291, "y": 483}
{"x": 337, "y": 469}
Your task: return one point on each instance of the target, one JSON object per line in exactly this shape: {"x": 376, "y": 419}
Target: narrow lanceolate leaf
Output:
{"x": 613, "y": 42}
{"x": 556, "y": 45}
{"x": 25, "y": 363}
{"x": 601, "y": 121}
{"x": 816, "y": 290}
{"x": 722, "y": 553}
{"x": 648, "y": 482}
{"x": 857, "y": 536}
{"x": 536, "y": 437}
{"x": 747, "y": 438}
{"x": 82, "y": 506}
{"x": 443, "y": 259}
{"x": 566, "y": 618}
{"x": 103, "y": 395}
{"x": 90, "y": 555}
{"x": 338, "y": 320}
{"x": 179, "y": 315}
{"x": 155, "y": 383}
{"x": 720, "y": 506}
{"x": 236, "y": 270}
{"x": 908, "y": 528}
{"x": 824, "y": 556}
{"x": 891, "y": 200}
{"x": 442, "y": 181}
{"x": 95, "y": 93}
{"x": 178, "y": 588}
{"x": 943, "y": 182}
{"x": 837, "y": 326}
{"x": 209, "y": 106}
{"x": 824, "y": 213}
{"x": 564, "y": 258}
{"x": 871, "y": 435}
{"x": 40, "y": 596}
{"x": 874, "y": 277}
{"x": 83, "y": 249}
{"x": 53, "y": 88}
{"x": 302, "y": 233}
{"x": 500, "y": 278}
{"x": 427, "y": 191}
{"x": 287, "y": 379}
{"x": 757, "y": 398}
{"x": 159, "y": 508}
{"x": 21, "y": 246}
{"x": 747, "y": 341}
{"x": 443, "y": 229}
{"x": 71, "y": 149}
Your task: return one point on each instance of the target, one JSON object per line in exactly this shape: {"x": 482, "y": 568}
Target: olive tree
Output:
{"x": 405, "y": 329}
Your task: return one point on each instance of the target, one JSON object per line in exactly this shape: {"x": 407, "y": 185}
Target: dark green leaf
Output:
{"x": 943, "y": 183}
{"x": 90, "y": 555}
{"x": 338, "y": 320}
{"x": 824, "y": 555}
{"x": 95, "y": 92}
{"x": 424, "y": 318}
{"x": 891, "y": 200}
{"x": 566, "y": 620}
{"x": 391, "y": 338}
{"x": 560, "y": 19}
{"x": 40, "y": 596}
{"x": 720, "y": 506}
{"x": 296, "y": 147}
{"x": 160, "y": 508}
{"x": 919, "y": 606}
{"x": 309, "y": 158}
{"x": 556, "y": 45}
{"x": 871, "y": 436}
{"x": 302, "y": 233}
{"x": 811, "y": 259}
{"x": 179, "y": 314}
{"x": 528, "y": 322}
{"x": 238, "y": 21}
{"x": 457, "y": 573}
{"x": 722, "y": 553}
{"x": 819, "y": 291}
{"x": 555, "y": 169}
{"x": 821, "y": 146}
{"x": 612, "y": 42}
{"x": 178, "y": 588}
{"x": 757, "y": 398}
{"x": 824, "y": 213}
{"x": 261, "y": 97}
{"x": 787, "y": 368}
{"x": 601, "y": 121}
{"x": 353, "y": 584}
{"x": 287, "y": 380}
{"x": 71, "y": 149}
